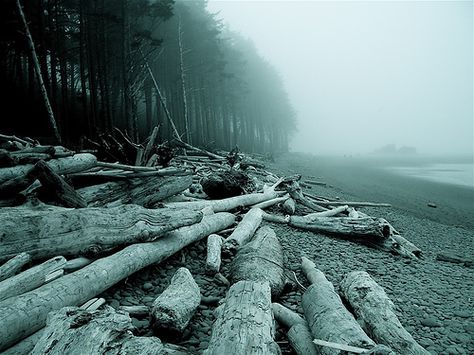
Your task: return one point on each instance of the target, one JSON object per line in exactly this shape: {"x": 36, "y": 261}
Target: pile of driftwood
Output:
{"x": 72, "y": 227}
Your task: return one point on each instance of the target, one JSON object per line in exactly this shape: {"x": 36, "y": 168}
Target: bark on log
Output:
{"x": 299, "y": 336}
{"x": 73, "y": 330}
{"x": 25, "y": 314}
{"x": 213, "y": 259}
{"x": 145, "y": 192}
{"x": 327, "y": 317}
{"x": 55, "y": 188}
{"x": 289, "y": 206}
{"x": 244, "y": 231}
{"x": 375, "y": 311}
{"x": 173, "y": 309}
{"x": 12, "y": 266}
{"x": 29, "y": 279}
{"x": 244, "y": 323}
{"x": 47, "y": 231}
{"x": 260, "y": 260}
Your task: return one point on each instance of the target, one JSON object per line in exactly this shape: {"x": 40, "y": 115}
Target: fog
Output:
{"x": 362, "y": 75}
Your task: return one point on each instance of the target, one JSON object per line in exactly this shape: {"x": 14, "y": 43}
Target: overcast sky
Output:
{"x": 364, "y": 74}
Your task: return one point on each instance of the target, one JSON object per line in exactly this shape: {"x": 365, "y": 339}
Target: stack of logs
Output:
{"x": 72, "y": 227}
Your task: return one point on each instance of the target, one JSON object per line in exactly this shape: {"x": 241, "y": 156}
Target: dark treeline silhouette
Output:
{"x": 94, "y": 57}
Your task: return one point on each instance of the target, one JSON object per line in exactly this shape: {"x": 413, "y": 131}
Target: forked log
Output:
{"x": 145, "y": 192}
{"x": 260, "y": 260}
{"x": 244, "y": 231}
{"x": 73, "y": 330}
{"x": 12, "y": 266}
{"x": 299, "y": 336}
{"x": 23, "y": 315}
{"x": 29, "y": 279}
{"x": 48, "y": 231}
{"x": 213, "y": 258}
{"x": 327, "y": 317}
{"x": 174, "y": 307}
{"x": 376, "y": 313}
{"x": 244, "y": 322}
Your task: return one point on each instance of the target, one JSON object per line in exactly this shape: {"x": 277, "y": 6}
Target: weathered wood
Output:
{"x": 327, "y": 317}
{"x": 53, "y": 275}
{"x": 144, "y": 191}
{"x": 295, "y": 192}
{"x": 73, "y": 330}
{"x": 23, "y": 315}
{"x": 76, "y": 264}
{"x": 450, "y": 258}
{"x": 149, "y": 146}
{"x": 271, "y": 202}
{"x": 376, "y": 313}
{"x": 329, "y": 213}
{"x": 55, "y": 188}
{"x": 213, "y": 258}
{"x": 29, "y": 279}
{"x": 46, "y": 231}
{"x": 244, "y": 322}
{"x": 174, "y": 307}
{"x": 244, "y": 231}
{"x": 12, "y": 266}
{"x": 260, "y": 260}
{"x": 289, "y": 206}
{"x": 353, "y": 204}
{"x": 136, "y": 311}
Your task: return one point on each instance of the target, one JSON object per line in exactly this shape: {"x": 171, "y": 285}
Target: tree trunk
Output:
{"x": 12, "y": 266}
{"x": 174, "y": 308}
{"x": 376, "y": 313}
{"x": 213, "y": 259}
{"x": 145, "y": 192}
{"x": 260, "y": 260}
{"x": 48, "y": 231}
{"x": 244, "y": 322}
{"x": 23, "y": 315}
{"x": 244, "y": 231}
{"x": 327, "y": 317}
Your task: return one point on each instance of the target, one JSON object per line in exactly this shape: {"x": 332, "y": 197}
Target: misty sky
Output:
{"x": 364, "y": 74}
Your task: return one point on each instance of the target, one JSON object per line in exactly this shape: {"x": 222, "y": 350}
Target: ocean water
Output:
{"x": 449, "y": 173}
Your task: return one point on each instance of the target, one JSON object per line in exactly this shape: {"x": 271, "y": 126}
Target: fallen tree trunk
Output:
{"x": 213, "y": 259}
{"x": 73, "y": 330}
{"x": 174, "y": 307}
{"x": 243, "y": 232}
{"x": 260, "y": 260}
{"x": 244, "y": 322}
{"x": 327, "y": 317}
{"x": 29, "y": 279}
{"x": 48, "y": 231}
{"x": 145, "y": 192}
{"x": 299, "y": 336}
{"x": 376, "y": 313}
{"x": 23, "y": 315}
{"x": 12, "y": 266}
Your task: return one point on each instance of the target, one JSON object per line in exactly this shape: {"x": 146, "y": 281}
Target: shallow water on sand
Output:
{"x": 448, "y": 173}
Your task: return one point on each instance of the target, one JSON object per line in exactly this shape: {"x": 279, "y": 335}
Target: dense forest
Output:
{"x": 134, "y": 65}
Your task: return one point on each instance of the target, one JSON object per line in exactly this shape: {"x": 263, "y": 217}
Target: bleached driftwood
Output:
{"x": 376, "y": 313}
{"x": 173, "y": 308}
{"x": 244, "y": 322}
{"x": 327, "y": 317}
{"x": 244, "y": 231}
{"x": 271, "y": 202}
{"x": 29, "y": 279}
{"x": 136, "y": 311}
{"x": 260, "y": 260}
{"x": 23, "y": 315}
{"x": 299, "y": 336}
{"x": 46, "y": 231}
{"x": 76, "y": 264}
{"x": 15, "y": 264}
{"x": 213, "y": 258}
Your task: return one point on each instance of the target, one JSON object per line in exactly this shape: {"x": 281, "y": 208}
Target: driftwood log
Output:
{"x": 73, "y": 330}
{"x": 23, "y": 315}
{"x": 244, "y": 322}
{"x": 299, "y": 336}
{"x": 30, "y": 279}
{"x": 145, "y": 192}
{"x": 14, "y": 265}
{"x": 260, "y": 260}
{"x": 244, "y": 231}
{"x": 76, "y": 264}
{"x": 213, "y": 258}
{"x": 174, "y": 307}
{"x": 48, "y": 231}
{"x": 376, "y": 312}
{"x": 327, "y": 317}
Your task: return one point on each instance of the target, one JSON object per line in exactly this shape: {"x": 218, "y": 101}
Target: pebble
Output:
{"x": 430, "y": 322}
{"x": 147, "y": 286}
{"x": 462, "y": 314}
{"x": 469, "y": 327}
{"x": 426, "y": 342}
